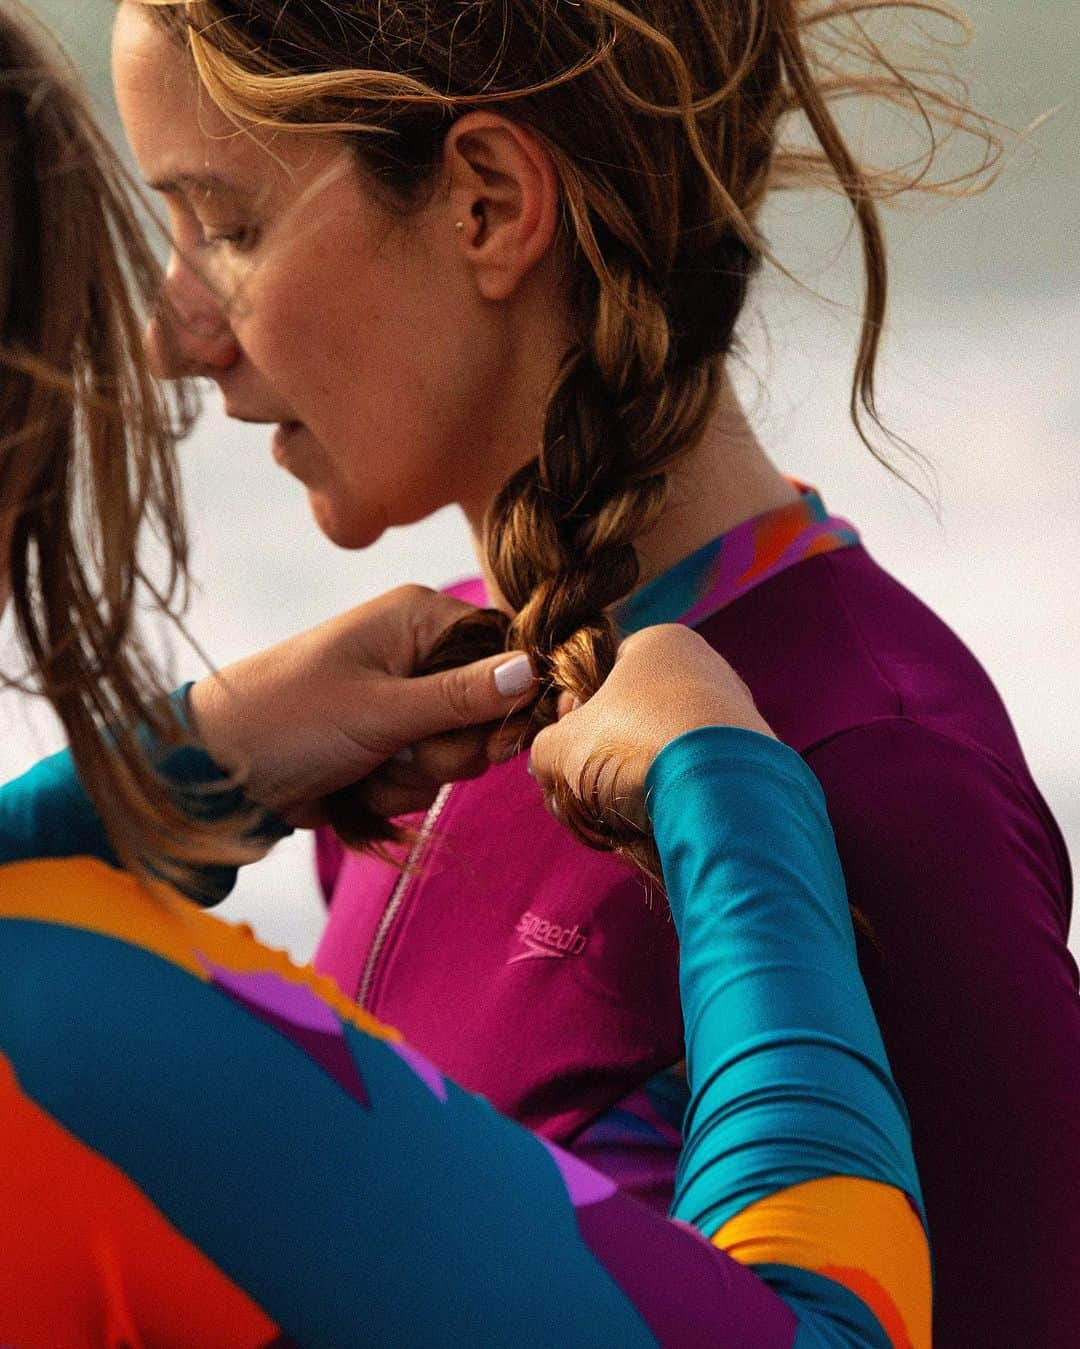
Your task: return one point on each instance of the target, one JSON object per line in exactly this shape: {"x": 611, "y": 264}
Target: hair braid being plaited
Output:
{"x": 561, "y": 534}
{"x": 627, "y": 406}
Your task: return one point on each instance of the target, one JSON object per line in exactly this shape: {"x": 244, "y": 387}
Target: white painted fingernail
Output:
{"x": 515, "y": 677}
{"x": 404, "y": 755}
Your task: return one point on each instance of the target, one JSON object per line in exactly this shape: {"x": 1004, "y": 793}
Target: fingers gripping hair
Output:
{"x": 561, "y": 534}
{"x": 356, "y": 823}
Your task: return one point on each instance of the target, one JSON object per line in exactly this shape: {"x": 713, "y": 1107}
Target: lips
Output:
{"x": 283, "y": 434}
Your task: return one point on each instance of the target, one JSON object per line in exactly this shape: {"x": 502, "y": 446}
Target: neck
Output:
{"x": 725, "y": 479}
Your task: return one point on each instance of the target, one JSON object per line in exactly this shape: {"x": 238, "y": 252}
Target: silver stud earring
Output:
{"x": 459, "y": 225}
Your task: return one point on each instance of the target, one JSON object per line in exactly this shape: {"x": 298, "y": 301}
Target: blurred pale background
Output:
{"x": 980, "y": 373}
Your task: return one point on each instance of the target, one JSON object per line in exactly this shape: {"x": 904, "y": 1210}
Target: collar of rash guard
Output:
{"x": 734, "y": 563}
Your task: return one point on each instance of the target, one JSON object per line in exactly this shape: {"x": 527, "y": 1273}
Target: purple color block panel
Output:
{"x": 689, "y": 1293}
{"x": 295, "y": 1012}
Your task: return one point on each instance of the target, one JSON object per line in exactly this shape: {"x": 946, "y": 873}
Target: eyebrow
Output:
{"x": 206, "y": 184}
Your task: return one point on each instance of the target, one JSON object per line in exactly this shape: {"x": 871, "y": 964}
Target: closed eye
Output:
{"x": 240, "y": 241}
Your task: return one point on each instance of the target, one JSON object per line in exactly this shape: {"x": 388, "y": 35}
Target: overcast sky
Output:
{"x": 979, "y": 374}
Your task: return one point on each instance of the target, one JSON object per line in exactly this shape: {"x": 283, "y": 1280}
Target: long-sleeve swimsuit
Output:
{"x": 206, "y": 1145}
{"x": 539, "y": 973}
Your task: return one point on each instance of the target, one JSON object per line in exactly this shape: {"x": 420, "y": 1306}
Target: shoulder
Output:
{"x": 925, "y": 774}
{"x": 836, "y": 642}
{"x": 114, "y": 993}
{"x": 73, "y": 926}
{"x": 46, "y": 813}
{"x": 938, "y": 826}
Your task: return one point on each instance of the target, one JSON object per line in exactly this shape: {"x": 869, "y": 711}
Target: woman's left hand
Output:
{"x": 666, "y": 681}
{"x": 327, "y": 708}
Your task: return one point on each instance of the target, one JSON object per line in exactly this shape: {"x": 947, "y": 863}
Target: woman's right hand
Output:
{"x": 667, "y": 680}
{"x": 332, "y": 707}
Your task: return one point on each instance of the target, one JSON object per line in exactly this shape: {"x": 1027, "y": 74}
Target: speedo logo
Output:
{"x": 543, "y": 940}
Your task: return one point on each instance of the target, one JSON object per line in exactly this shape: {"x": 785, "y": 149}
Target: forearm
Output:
{"x": 48, "y": 813}
{"x": 793, "y": 1109}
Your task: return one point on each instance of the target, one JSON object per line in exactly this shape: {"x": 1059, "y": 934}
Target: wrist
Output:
{"x": 213, "y": 725}
{"x": 209, "y": 762}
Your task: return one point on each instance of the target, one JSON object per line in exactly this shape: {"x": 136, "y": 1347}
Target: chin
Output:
{"x": 352, "y": 530}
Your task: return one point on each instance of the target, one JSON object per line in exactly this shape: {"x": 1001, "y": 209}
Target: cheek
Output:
{"x": 379, "y": 379}
{"x": 282, "y": 336}
{"x": 308, "y": 340}
{"x": 356, "y": 370}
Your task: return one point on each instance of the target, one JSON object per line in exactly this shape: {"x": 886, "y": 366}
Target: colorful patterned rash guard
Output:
{"x": 205, "y": 1145}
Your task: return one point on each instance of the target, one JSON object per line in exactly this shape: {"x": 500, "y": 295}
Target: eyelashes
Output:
{"x": 237, "y": 241}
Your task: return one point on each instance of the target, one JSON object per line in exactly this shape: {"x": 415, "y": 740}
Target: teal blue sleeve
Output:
{"x": 787, "y": 1072}
{"x": 47, "y": 813}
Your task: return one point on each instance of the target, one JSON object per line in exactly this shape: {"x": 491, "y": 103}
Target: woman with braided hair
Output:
{"x": 494, "y": 254}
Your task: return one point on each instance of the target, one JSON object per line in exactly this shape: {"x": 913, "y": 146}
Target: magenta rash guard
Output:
{"x": 544, "y": 975}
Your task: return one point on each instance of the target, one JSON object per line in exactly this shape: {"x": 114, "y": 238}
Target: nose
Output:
{"x": 189, "y": 332}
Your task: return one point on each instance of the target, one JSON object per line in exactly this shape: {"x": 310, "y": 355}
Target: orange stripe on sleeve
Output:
{"x": 861, "y": 1233}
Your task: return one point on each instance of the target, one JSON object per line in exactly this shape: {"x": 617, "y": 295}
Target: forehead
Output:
{"x": 157, "y": 86}
{"x": 181, "y": 138}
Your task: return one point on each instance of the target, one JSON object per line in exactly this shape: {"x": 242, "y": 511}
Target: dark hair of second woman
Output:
{"x": 87, "y": 461}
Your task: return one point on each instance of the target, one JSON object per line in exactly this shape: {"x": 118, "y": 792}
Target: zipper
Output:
{"x": 400, "y": 890}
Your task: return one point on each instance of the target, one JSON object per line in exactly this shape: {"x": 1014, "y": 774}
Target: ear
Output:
{"x": 504, "y": 188}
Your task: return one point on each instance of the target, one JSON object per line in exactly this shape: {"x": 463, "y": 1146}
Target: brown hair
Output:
{"x": 87, "y": 457}
{"x": 665, "y": 120}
